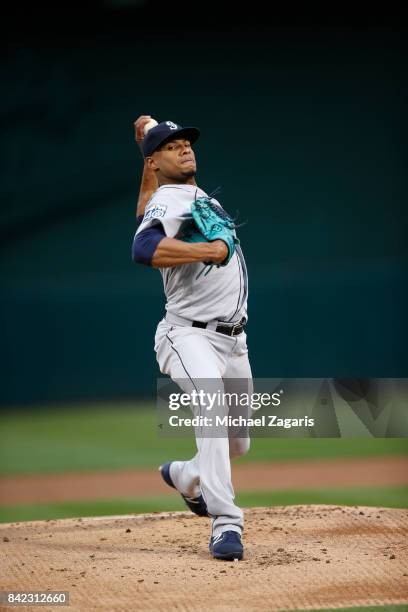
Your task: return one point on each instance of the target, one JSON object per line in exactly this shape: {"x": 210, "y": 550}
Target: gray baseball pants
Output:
{"x": 198, "y": 359}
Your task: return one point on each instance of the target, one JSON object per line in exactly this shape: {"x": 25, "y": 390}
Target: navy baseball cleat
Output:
{"x": 196, "y": 504}
{"x": 227, "y": 546}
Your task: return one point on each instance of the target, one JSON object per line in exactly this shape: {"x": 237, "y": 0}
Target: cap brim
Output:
{"x": 189, "y": 133}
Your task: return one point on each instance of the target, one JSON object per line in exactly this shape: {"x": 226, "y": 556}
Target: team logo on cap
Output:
{"x": 172, "y": 126}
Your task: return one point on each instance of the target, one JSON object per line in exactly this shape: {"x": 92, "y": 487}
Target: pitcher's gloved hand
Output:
{"x": 211, "y": 222}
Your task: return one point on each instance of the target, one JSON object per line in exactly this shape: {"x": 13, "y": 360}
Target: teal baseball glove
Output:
{"x": 211, "y": 222}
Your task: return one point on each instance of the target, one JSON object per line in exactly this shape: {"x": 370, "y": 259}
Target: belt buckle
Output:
{"x": 240, "y": 324}
{"x": 234, "y": 327}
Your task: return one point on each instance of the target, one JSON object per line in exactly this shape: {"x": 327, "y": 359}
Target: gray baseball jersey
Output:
{"x": 222, "y": 292}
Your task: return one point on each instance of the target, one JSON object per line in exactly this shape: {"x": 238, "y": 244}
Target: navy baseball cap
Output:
{"x": 167, "y": 130}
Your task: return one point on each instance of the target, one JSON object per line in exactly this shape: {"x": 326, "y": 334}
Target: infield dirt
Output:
{"x": 296, "y": 557}
{"x": 39, "y": 488}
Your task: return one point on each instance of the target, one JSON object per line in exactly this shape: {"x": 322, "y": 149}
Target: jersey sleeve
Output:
{"x": 171, "y": 208}
{"x": 145, "y": 244}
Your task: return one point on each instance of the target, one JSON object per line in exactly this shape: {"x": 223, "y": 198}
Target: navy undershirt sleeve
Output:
{"x": 145, "y": 244}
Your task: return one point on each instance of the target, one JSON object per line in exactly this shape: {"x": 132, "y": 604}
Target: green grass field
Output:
{"x": 112, "y": 436}
{"x": 391, "y": 497}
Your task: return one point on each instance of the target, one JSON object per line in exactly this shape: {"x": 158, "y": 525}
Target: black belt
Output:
{"x": 228, "y": 330}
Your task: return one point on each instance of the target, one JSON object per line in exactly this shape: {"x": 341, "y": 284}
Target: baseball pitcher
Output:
{"x": 201, "y": 341}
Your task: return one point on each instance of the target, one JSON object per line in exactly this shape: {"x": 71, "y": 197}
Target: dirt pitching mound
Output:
{"x": 296, "y": 557}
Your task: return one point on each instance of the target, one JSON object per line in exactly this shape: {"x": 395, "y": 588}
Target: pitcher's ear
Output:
{"x": 151, "y": 163}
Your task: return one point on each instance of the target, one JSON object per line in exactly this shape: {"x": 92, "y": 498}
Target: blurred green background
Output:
{"x": 303, "y": 127}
